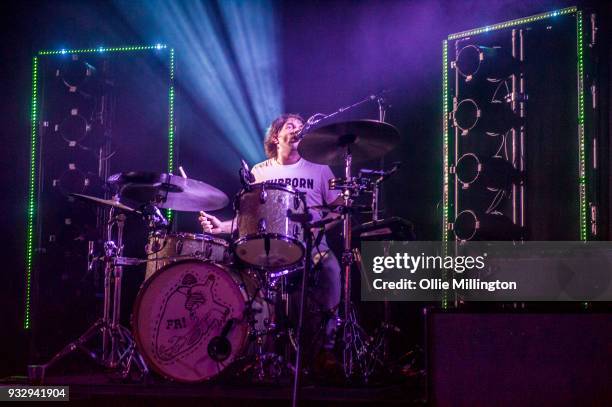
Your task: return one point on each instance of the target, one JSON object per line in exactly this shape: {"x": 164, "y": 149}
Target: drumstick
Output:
{"x": 183, "y": 174}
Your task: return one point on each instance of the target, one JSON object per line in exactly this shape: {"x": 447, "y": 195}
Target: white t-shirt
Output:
{"x": 304, "y": 176}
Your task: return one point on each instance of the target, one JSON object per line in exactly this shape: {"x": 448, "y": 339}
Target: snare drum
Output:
{"x": 173, "y": 247}
{"x": 193, "y": 318}
{"x": 266, "y": 236}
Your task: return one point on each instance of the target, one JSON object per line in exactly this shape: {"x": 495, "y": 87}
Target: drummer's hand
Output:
{"x": 210, "y": 223}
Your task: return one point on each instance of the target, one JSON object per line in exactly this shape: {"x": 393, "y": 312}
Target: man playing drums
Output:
{"x": 285, "y": 166}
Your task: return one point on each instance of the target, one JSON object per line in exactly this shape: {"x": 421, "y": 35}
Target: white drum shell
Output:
{"x": 160, "y": 250}
{"x": 261, "y": 217}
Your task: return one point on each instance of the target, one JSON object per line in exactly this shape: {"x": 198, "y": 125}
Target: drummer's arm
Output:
{"x": 212, "y": 224}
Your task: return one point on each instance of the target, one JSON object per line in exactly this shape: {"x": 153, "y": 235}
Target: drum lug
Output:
{"x": 296, "y": 202}
{"x": 179, "y": 247}
{"x": 263, "y": 195}
{"x": 261, "y": 225}
{"x": 296, "y": 230}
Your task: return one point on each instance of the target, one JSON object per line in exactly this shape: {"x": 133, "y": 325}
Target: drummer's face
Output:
{"x": 287, "y": 140}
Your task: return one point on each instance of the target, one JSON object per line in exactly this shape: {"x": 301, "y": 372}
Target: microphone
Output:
{"x": 247, "y": 172}
{"x": 302, "y": 133}
{"x": 379, "y": 96}
{"x": 246, "y": 176}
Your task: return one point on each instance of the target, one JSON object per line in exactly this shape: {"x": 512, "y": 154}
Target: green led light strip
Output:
{"x": 31, "y": 194}
{"x": 445, "y": 158}
{"x": 31, "y": 215}
{"x": 102, "y": 49}
{"x": 171, "y": 124}
{"x": 581, "y": 145}
{"x": 513, "y": 23}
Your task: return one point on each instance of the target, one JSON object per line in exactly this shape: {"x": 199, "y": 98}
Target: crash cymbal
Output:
{"x": 170, "y": 191}
{"x": 106, "y": 202}
{"x": 366, "y": 140}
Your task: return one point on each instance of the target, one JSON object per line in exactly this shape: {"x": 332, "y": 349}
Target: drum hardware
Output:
{"x": 118, "y": 352}
{"x": 345, "y": 143}
{"x": 156, "y": 221}
{"x": 376, "y": 184}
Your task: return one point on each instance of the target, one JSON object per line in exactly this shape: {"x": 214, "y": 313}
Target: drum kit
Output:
{"x": 211, "y": 305}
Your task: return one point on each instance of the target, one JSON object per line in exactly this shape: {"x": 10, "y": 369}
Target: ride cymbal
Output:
{"x": 364, "y": 139}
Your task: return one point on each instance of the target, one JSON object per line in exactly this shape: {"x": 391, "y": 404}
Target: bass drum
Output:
{"x": 191, "y": 319}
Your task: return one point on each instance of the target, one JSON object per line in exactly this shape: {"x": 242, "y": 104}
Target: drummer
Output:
{"x": 285, "y": 166}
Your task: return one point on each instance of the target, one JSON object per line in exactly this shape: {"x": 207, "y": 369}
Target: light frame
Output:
{"x": 34, "y": 135}
{"x": 582, "y": 176}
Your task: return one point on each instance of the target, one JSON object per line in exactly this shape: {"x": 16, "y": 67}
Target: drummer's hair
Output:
{"x": 274, "y": 129}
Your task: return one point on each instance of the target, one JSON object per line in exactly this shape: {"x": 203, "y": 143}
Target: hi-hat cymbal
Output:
{"x": 170, "y": 191}
{"x": 106, "y": 202}
{"x": 365, "y": 139}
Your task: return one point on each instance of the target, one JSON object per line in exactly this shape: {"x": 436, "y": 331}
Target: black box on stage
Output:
{"x": 518, "y": 359}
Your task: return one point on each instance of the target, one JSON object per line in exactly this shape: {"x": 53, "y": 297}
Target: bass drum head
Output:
{"x": 179, "y": 317}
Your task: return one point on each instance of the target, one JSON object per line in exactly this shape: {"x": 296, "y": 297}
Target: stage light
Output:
{"x": 445, "y": 146}
{"x": 513, "y": 23}
{"x": 229, "y": 65}
{"x": 31, "y": 194}
{"x": 581, "y": 139}
{"x": 493, "y": 117}
{"x": 488, "y": 172}
{"x": 484, "y": 62}
{"x": 475, "y": 118}
{"x": 72, "y": 130}
{"x": 474, "y": 225}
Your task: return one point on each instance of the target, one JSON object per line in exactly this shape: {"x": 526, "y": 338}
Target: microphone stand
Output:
{"x": 318, "y": 117}
{"x": 304, "y": 219}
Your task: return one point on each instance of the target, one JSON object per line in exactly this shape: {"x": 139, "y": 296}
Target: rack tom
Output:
{"x": 266, "y": 236}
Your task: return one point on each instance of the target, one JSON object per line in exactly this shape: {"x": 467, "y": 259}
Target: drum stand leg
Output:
{"x": 122, "y": 355}
{"x": 355, "y": 352}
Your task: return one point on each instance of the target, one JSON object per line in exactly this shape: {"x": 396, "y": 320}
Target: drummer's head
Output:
{"x": 280, "y": 134}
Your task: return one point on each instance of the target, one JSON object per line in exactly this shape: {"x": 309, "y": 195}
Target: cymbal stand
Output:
{"x": 355, "y": 340}
{"x": 118, "y": 351}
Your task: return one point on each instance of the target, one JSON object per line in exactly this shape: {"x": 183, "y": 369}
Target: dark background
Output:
{"x": 333, "y": 53}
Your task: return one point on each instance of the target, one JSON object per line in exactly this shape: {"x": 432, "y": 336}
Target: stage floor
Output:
{"x": 100, "y": 389}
